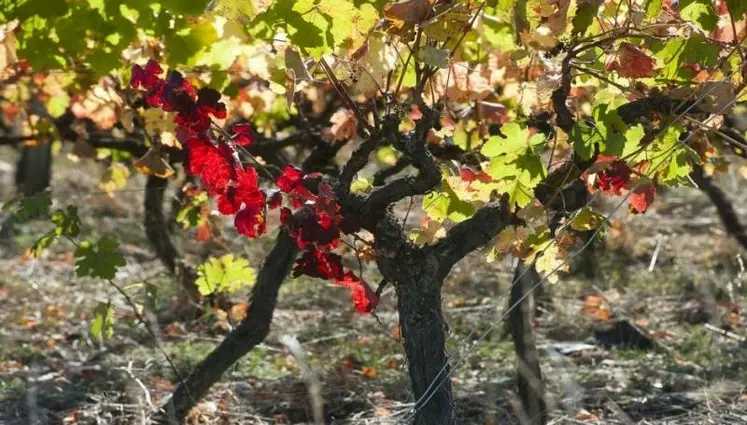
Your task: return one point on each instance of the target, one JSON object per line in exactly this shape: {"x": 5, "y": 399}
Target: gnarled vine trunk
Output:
{"x": 418, "y": 278}
{"x": 250, "y": 332}
{"x": 533, "y": 409}
{"x": 424, "y": 333}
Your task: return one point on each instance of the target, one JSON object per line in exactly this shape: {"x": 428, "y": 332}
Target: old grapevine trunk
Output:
{"x": 418, "y": 279}
{"x": 250, "y": 332}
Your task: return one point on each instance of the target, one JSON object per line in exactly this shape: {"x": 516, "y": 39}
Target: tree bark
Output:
{"x": 533, "y": 409}
{"x": 418, "y": 278}
{"x": 250, "y": 332}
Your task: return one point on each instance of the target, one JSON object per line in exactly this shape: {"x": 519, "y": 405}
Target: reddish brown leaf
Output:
{"x": 642, "y": 197}
{"x": 632, "y": 62}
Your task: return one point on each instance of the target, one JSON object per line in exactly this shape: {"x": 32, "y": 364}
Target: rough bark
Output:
{"x": 533, "y": 409}
{"x": 157, "y": 229}
{"x": 415, "y": 274}
{"x": 424, "y": 332}
{"x": 250, "y": 332}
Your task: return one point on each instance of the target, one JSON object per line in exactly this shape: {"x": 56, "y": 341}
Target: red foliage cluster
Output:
{"x": 217, "y": 166}
{"x": 614, "y": 178}
{"x": 317, "y": 224}
{"x": 317, "y": 227}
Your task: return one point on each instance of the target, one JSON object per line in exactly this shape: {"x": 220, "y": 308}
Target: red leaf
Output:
{"x": 203, "y": 233}
{"x": 363, "y": 297}
{"x": 642, "y": 197}
{"x": 469, "y": 176}
{"x": 612, "y": 180}
{"x": 317, "y": 263}
{"x": 208, "y": 102}
{"x": 632, "y": 62}
{"x": 276, "y": 200}
{"x": 250, "y": 222}
{"x": 290, "y": 179}
{"x": 243, "y": 135}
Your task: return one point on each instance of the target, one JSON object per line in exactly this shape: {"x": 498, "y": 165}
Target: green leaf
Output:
{"x": 587, "y": 219}
{"x": 517, "y": 139}
{"x": 102, "y": 326}
{"x": 653, "y": 8}
{"x": 518, "y": 176}
{"x": 226, "y": 273}
{"x": 584, "y": 17}
{"x": 43, "y": 243}
{"x": 236, "y": 9}
{"x": 57, "y": 104}
{"x": 633, "y": 137}
{"x": 67, "y": 223}
{"x": 700, "y": 12}
{"x": 99, "y": 260}
{"x": 447, "y": 203}
{"x": 676, "y": 51}
{"x": 670, "y": 160}
{"x": 33, "y": 207}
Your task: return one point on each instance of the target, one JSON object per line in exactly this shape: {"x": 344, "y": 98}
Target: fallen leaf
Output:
{"x": 368, "y": 372}
{"x": 174, "y": 329}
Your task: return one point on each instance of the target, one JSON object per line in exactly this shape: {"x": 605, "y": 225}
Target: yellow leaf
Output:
{"x": 8, "y": 44}
{"x": 552, "y": 258}
{"x": 115, "y": 178}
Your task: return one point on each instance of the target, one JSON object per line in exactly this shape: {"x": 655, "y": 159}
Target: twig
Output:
{"x": 315, "y": 387}
{"x": 652, "y": 264}
{"x": 724, "y": 333}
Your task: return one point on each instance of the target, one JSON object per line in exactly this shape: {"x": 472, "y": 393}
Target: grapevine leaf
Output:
{"x": 226, "y": 273}
{"x": 585, "y": 14}
{"x": 102, "y": 326}
{"x": 700, "y": 12}
{"x": 115, "y": 178}
{"x": 673, "y": 53}
{"x": 99, "y": 260}
{"x": 653, "y": 8}
{"x": 642, "y": 197}
{"x": 552, "y": 261}
{"x": 517, "y": 139}
{"x": 518, "y": 176}
{"x": 587, "y": 219}
{"x": 237, "y": 9}
{"x": 33, "y": 206}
